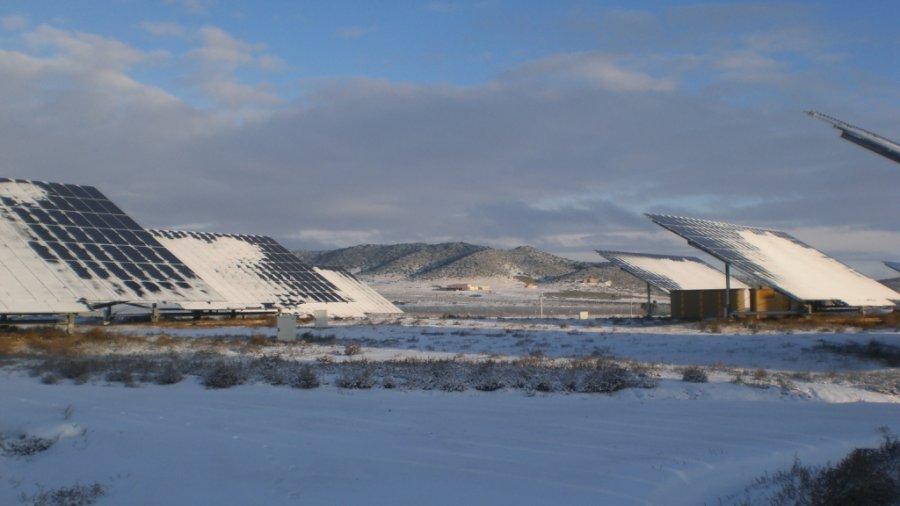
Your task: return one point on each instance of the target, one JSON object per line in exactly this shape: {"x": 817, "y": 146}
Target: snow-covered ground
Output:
{"x": 258, "y": 444}
{"x": 677, "y": 443}
{"x": 677, "y": 344}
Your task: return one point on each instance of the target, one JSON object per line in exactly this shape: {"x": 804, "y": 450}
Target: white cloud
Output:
{"x": 13, "y": 22}
{"x": 336, "y": 238}
{"x": 601, "y": 70}
{"x": 218, "y": 58}
{"x": 163, "y": 28}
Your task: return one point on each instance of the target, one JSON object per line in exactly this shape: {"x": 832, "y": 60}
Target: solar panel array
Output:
{"x": 251, "y": 271}
{"x": 65, "y": 248}
{"x": 670, "y": 272}
{"x": 893, "y": 265}
{"x": 780, "y": 261}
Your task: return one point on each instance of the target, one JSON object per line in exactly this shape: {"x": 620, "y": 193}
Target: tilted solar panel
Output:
{"x": 780, "y": 261}
{"x": 893, "y": 265}
{"x": 363, "y": 298}
{"x": 253, "y": 271}
{"x": 670, "y": 272}
{"x": 862, "y": 137}
{"x": 66, "y": 248}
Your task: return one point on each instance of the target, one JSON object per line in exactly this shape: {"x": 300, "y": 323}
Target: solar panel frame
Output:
{"x": 725, "y": 242}
{"x": 662, "y": 280}
{"x": 893, "y": 265}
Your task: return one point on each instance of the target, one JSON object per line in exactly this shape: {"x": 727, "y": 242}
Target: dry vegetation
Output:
{"x": 867, "y": 476}
{"x": 805, "y": 323}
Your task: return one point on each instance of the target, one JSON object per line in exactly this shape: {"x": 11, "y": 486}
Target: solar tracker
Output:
{"x": 861, "y": 137}
{"x": 779, "y": 260}
{"x": 256, "y": 272}
{"x": 669, "y": 272}
{"x": 893, "y": 265}
{"x": 363, "y": 299}
{"x": 67, "y": 248}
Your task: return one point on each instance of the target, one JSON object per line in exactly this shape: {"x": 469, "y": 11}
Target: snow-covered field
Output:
{"x": 659, "y": 342}
{"x": 677, "y": 443}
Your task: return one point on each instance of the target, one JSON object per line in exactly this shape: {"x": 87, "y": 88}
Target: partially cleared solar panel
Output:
{"x": 780, "y": 261}
{"x": 251, "y": 271}
{"x": 669, "y": 272}
{"x": 67, "y": 248}
{"x": 893, "y": 265}
{"x": 362, "y": 298}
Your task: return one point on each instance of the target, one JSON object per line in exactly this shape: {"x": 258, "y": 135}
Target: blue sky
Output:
{"x": 546, "y": 123}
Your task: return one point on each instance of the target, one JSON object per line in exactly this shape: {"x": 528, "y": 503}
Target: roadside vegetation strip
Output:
{"x": 588, "y": 375}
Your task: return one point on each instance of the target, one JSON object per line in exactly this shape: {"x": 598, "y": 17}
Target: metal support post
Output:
{"x": 727, "y": 289}
{"x": 649, "y": 302}
{"x": 70, "y": 323}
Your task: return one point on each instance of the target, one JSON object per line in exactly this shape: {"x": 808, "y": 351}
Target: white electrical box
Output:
{"x": 287, "y": 327}
{"x": 583, "y": 315}
{"x": 321, "y": 317}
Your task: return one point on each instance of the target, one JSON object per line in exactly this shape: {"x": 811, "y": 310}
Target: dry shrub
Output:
{"x": 694, "y": 374}
{"x": 252, "y": 321}
{"x": 25, "y": 445}
{"x": 224, "y": 375}
{"x": 355, "y": 376}
{"x": 352, "y": 349}
{"x": 305, "y": 378}
{"x": 260, "y": 340}
{"x": 168, "y": 375}
{"x": 76, "y": 495}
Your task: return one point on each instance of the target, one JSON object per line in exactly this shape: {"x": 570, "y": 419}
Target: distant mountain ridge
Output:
{"x": 460, "y": 260}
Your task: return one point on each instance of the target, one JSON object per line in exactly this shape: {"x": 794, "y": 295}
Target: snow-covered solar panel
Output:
{"x": 363, "y": 299}
{"x": 255, "y": 272}
{"x": 670, "y": 272}
{"x": 893, "y": 265}
{"x": 67, "y": 248}
{"x": 779, "y": 260}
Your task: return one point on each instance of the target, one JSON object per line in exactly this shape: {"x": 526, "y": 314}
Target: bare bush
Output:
{"x": 305, "y": 378}
{"x": 352, "y": 349}
{"x": 25, "y": 445}
{"x": 168, "y": 374}
{"x": 867, "y": 476}
{"x": 50, "y": 378}
{"x": 76, "y": 495}
{"x": 223, "y": 375}
{"x": 887, "y": 354}
{"x": 357, "y": 376}
{"x": 120, "y": 376}
{"x": 606, "y": 378}
{"x": 694, "y": 374}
